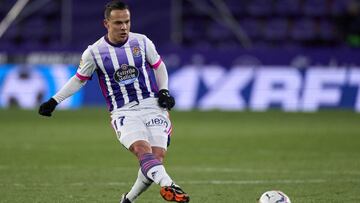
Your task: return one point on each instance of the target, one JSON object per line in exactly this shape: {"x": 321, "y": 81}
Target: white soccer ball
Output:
{"x": 274, "y": 196}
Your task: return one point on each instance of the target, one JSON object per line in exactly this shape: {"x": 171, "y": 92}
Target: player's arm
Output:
{"x": 71, "y": 87}
{"x": 165, "y": 99}
{"x": 74, "y": 84}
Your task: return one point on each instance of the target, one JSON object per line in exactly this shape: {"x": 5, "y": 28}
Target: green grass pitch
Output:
{"x": 217, "y": 157}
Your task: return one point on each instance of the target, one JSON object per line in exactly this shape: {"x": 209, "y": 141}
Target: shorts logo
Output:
{"x": 126, "y": 74}
{"x": 157, "y": 122}
{"x": 136, "y": 51}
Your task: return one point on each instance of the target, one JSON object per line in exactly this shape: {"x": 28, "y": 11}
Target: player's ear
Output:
{"x": 106, "y": 23}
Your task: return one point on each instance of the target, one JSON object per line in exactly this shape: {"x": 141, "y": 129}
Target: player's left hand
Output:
{"x": 165, "y": 99}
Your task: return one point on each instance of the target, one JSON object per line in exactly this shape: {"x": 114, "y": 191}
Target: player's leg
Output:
{"x": 142, "y": 183}
{"x": 138, "y": 140}
{"x": 151, "y": 167}
{"x": 170, "y": 192}
{"x": 160, "y": 129}
{"x": 128, "y": 131}
{"x": 159, "y": 153}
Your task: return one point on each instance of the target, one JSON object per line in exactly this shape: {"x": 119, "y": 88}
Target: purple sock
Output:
{"x": 148, "y": 161}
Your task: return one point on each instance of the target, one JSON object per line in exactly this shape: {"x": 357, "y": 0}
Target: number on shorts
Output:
{"x": 121, "y": 118}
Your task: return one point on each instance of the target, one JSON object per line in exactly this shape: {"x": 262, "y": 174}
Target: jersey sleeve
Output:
{"x": 152, "y": 55}
{"x": 87, "y": 65}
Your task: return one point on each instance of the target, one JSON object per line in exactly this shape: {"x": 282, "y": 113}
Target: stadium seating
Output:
{"x": 303, "y": 30}
{"x": 287, "y": 8}
{"x": 315, "y": 8}
{"x": 264, "y": 21}
{"x": 276, "y": 29}
{"x": 252, "y": 27}
{"x": 259, "y": 8}
{"x": 327, "y": 31}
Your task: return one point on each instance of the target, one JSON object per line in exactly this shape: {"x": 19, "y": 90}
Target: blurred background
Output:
{"x": 292, "y": 55}
{"x": 239, "y": 57}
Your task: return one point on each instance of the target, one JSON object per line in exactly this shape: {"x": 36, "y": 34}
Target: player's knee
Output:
{"x": 159, "y": 153}
{"x": 139, "y": 148}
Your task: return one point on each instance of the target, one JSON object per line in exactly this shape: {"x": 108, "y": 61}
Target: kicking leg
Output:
{"x": 152, "y": 168}
{"x": 170, "y": 192}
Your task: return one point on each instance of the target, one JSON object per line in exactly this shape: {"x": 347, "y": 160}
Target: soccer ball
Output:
{"x": 274, "y": 196}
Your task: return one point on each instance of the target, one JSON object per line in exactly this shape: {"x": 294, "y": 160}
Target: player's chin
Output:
{"x": 123, "y": 37}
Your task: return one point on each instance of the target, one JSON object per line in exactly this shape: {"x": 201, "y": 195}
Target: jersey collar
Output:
{"x": 115, "y": 45}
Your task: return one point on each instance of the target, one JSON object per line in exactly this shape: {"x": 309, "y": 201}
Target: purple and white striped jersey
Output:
{"x": 125, "y": 71}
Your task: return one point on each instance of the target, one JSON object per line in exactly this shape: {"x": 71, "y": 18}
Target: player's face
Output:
{"x": 118, "y": 25}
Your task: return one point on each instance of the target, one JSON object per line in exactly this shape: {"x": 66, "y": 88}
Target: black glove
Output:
{"x": 165, "y": 99}
{"x": 48, "y": 107}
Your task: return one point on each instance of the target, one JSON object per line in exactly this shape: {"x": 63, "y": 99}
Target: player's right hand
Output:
{"x": 48, "y": 107}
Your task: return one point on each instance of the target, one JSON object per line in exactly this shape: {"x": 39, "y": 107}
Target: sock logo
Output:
{"x": 153, "y": 174}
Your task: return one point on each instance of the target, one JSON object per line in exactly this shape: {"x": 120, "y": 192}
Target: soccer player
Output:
{"x": 134, "y": 82}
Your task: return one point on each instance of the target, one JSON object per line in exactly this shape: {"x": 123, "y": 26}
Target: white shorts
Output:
{"x": 146, "y": 122}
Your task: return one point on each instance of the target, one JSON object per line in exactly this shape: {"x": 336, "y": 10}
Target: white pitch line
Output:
{"x": 252, "y": 182}
{"x": 249, "y": 170}
{"x": 209, "y": 170}
{"x": 195, "y": 182}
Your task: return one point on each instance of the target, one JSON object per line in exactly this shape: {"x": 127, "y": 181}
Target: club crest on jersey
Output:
{"x": 126, "y": 74}
{"x": 136, "y": 51}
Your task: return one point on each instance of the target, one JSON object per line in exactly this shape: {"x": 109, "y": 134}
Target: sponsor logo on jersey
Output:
{"x": 126, "y": 74}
